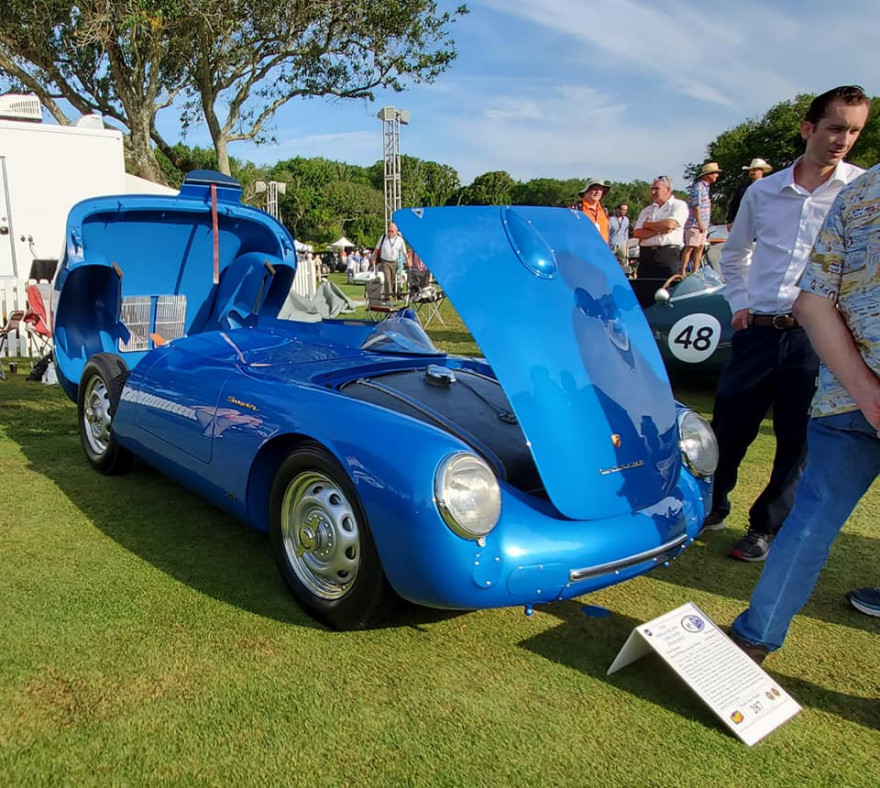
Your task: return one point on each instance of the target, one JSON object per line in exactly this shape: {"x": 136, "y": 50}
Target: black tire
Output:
{"x": 100, "y": 388}
{"x": 322, "y": 542}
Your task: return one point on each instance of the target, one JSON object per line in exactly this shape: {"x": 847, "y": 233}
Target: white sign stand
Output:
{"x": 747, "y": 700}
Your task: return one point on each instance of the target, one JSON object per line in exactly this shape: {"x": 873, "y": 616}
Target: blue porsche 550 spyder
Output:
{"x": 380, "y": 466}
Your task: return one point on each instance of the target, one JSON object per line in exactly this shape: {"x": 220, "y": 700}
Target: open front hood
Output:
{"x": 547, "y": 303}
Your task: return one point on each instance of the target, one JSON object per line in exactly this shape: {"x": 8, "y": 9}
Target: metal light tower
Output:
{"x": 272, "y": 189}
{"x": 392, "y": 119}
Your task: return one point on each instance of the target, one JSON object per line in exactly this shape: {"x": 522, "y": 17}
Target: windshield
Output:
{"x": 400, "y": 335}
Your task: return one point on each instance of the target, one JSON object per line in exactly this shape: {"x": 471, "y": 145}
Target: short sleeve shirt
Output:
{"x": 673, "y": 208}
{"x": 844, "y": 267}
{"x": 698, "y": 197}
{"x": 391, "y": 249}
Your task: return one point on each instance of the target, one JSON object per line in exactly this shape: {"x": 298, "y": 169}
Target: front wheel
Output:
{"x": 322, "y": 542}
{"x": 98, "y": 396}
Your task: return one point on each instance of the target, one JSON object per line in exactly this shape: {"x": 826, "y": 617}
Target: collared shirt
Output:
{"x": 673, "y": 208}
{"x": 596, "y": 214}
{"x": 618, "y": 231}
{"x": 772, "y": 236}
{"x": 844, "y": 266}
{"x": 391, "y": 249}
{"x": 698, "y": 197}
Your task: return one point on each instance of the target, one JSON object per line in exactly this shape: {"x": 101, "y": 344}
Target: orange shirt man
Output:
{"x": 591, "y": 204}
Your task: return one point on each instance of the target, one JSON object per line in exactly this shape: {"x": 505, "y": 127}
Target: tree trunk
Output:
{"x": 220, "y": 146}
{"x": 142, "y": 160}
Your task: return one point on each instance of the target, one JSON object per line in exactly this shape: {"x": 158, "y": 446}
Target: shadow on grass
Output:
{"x": 158, "y": 520}
{"x": 711, "y": 570}
{"x": 590, "y": 645}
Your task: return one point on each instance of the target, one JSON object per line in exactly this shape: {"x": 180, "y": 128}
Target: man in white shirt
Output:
{"x": 772, "y": 362}
{"x": 660, "y": 230}
{"x": 388, "y": 252}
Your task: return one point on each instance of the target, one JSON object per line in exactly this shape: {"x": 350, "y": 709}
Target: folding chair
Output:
{"x": 425, "y": 297}
{"x": 33, "y": 321}
{"x": 12, "y": 325}
{"x": 377, "y": 307}
{"x": 37, "y": 321}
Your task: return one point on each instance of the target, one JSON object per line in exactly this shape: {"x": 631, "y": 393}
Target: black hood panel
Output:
{"x": 473, "y": 407}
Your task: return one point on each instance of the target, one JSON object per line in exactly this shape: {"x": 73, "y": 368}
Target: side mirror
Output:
{"x": 662, "y": 296}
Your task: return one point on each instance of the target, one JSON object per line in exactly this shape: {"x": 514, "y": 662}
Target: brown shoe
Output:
{"x": 757, "y": 653}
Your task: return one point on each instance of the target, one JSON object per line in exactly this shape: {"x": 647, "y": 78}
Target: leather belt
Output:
{"x": 780, "y": 322}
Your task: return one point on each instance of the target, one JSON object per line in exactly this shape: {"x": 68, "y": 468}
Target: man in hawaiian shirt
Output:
{"x": 838, "y": 306}
{"x": 696, "y": 229}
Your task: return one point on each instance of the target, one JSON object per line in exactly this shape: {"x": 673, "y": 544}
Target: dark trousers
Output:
{"x": 389, "y": 271}
{"x": 659, "y": 261}
{"x": 768, "y": 368}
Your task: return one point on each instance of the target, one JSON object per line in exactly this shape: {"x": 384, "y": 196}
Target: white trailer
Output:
{"x": 45, "y": 170}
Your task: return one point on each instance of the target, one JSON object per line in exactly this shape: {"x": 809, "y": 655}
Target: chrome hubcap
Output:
{"x": 320, "y": 533}
{"x": 96, "y": 415}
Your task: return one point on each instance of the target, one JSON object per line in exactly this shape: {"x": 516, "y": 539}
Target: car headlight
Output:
{"x": 698, "y": 444}
{"x": 467, "y": 495}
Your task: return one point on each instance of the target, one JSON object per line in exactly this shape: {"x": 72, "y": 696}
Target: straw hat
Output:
{"x": 710, "y": 168}
{"x": 759, "y": 164}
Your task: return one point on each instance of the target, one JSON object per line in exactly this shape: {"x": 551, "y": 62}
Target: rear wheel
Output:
{"x": 322, "y": 542}
{"x": 100, "y": 388}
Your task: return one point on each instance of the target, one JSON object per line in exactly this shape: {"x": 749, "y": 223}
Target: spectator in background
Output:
{"x": 385, "y": 256}
{"x": 696, "y": 229}
{"x": 366, "y": 261}
{"x": 618, "y": 235}
{"x": 660, "y": 230}
{"x": 772, "y": 363}
{"x": 352, "y": 265}
{"x": 757, "y": 170}
{"x": 591, "y": 205}
{"x": 838, "y": 305}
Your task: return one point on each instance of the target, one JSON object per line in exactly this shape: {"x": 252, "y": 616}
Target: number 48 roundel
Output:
{"x": 694, "y": 338}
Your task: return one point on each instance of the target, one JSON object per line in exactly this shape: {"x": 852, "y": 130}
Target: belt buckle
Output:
{"x": 781, "y": 322}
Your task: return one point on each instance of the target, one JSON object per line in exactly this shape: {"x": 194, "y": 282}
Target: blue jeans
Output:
{"x": 844, "y": 461}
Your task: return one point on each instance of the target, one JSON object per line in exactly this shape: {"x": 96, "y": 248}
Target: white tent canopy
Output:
{"x": 342, "y": 243}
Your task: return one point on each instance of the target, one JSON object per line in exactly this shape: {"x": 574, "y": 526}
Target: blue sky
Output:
{"x": 618, "y": 89}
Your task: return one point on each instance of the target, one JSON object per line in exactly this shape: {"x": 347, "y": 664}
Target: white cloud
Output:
{"x": 348, "y": 146}
{"x": 506, "y": 108}
{"x": 643, "y": 88}
{"x": 620, "y": 89}
{"x": 569, "y": 132}
{"x": 732, "y": 54}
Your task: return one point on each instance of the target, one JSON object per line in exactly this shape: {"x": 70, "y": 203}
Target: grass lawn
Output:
{"x": 147, "y": 637}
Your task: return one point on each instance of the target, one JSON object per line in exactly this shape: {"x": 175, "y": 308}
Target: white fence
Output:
{"x": 305, "y": 282}
{"x": 13, "y": 296}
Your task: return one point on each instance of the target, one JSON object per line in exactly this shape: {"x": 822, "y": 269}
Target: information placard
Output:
{"x": 750, "y": 702}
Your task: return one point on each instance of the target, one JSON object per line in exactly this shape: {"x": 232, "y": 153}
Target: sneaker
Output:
{"x": 757, "y": 653}
{"x": 865, "y": 600}
{"x": 754, "y": 546}
{"x": 714, "y": 522}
